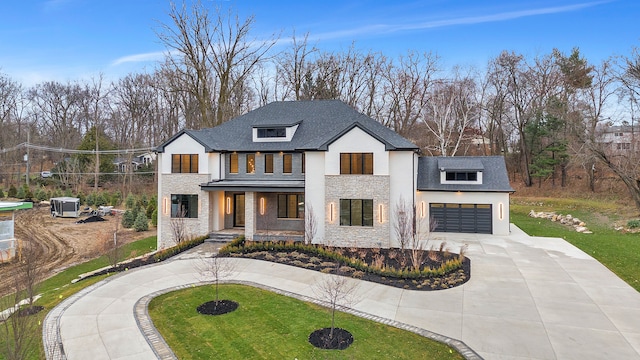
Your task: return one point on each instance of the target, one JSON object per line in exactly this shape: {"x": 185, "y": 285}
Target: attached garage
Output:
{"x": 461, "y": 218}
{"x": 464, "y": 194}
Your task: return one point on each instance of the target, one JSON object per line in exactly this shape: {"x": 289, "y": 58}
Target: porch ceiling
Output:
{"x": 255, "y": 185}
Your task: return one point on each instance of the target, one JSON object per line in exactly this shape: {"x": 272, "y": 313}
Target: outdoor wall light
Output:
{"x": 228, "y": 205}
{"x": 165, "y": 205}
{"x": 262, "y": 205}
{"x": 331, "y": 212}
{"x": 380, "y": 213}
{"x": 500, "y": 211}
{"x": 423, "y": 211}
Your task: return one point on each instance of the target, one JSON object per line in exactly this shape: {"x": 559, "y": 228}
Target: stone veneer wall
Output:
{"x": 374, "y": 187}
{"x": 188, "y": 184}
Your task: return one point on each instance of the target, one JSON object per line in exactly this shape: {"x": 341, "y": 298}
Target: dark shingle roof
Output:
{"x": 494, "y": 173}
{"x": 320, "y": 122}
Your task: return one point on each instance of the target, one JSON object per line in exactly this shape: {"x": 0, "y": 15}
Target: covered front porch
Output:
{"x": 259, "y": 210}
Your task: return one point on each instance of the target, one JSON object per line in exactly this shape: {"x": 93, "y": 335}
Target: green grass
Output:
{"x": 620, "y": 252}
{"x": 271, "y": 326}
{"x": 59, "y": 287}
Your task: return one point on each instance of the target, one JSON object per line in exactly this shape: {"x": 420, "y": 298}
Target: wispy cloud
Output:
{"x": 469, "y": 20}
{"x": 136, "y": 58}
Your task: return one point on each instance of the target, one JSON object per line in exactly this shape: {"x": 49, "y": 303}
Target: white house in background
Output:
{"x": 260, "y": 173}
{"x": 7, "y": 228}
{"x": 619, "y": 138}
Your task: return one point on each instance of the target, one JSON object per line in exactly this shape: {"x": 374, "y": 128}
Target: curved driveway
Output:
{"x": 528, "y": 298}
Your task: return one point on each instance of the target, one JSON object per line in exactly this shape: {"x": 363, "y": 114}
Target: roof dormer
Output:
{"x": 460, "y": 171}
{"x": 274, "y": 133}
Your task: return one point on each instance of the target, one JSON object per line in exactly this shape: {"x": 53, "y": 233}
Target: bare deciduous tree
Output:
{"x": 310, "y": 225}
{"x": 216, "y": 268}
{"x": 336, "y": 290}
{"x": 178, "y": 226}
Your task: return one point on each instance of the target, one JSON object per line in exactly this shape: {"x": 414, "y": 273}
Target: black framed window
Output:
{"x": 184, "y": 206}
{"x": 287, "y": 163}
{"x": 233, "y": 163}
{"x": 304, "y": 163}
{"x": 290, "y": 206}
{"x": 272, "y": 133}
{"x": 184, "y": 163}
{"x": 268, "y": 163}
{"x": 356, "y": 163}
{"x": 356, "y": 212}
{"x": 251, "y": 163}
{"x": 462, "y": 176}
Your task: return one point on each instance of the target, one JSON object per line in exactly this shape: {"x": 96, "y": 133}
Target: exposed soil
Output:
{"x": 340, "y": 340}
{"x": 218, "y": 307}
{"x": 61, "y": 243}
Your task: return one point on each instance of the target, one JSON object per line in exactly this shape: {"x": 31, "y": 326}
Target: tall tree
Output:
{"x": 214, "y": 56}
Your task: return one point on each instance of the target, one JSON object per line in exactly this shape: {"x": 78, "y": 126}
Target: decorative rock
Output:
{"x": 568, "y": 219}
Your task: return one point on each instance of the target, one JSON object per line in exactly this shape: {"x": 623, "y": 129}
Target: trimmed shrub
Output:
{"x": 130, "y": 201}
{"x": 116, "y": 198}
{"x": 100, "y": 199}
{"x": 91, "y": 199}
{"x": 141, "y": 223}
{"x": 633, "y": 224}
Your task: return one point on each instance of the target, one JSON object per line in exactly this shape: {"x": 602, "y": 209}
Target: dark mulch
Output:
{"x": 340, "y": 340}
{"x": 28, "y": 311}
{"x": 217, "y": 307}
{"x": 389, "y": 257}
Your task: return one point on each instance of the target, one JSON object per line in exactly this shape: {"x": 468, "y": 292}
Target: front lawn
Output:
{"x": 618, "y": 251}
{"x": 271, "y": 326}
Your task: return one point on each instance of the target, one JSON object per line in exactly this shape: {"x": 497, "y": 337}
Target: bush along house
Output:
{"x": 320, "y": 171}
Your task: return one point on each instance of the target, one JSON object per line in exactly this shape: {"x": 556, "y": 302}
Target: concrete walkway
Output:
{"x": 528, "y": 298}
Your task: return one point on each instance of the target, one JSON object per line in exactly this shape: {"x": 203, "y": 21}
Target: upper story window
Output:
{"x": 268, "y": 163}
{"x": 356, "y": 163}
{"x": 233, "y": 163}
{"x": 287, "y": 163}
{"x": 184, "y": 163}
{"x": 279, "y": 132}
{"x": 462, "y": 176}
{"x": 251, "y": 163}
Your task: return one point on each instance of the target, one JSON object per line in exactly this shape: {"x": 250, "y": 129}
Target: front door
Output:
{"x": 238, "y": 210}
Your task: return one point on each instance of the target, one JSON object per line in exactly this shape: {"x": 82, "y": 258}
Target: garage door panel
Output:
{"x": 463, "y": 218}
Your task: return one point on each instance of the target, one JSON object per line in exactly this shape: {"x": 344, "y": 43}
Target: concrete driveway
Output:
{"x": 528, "y": 298}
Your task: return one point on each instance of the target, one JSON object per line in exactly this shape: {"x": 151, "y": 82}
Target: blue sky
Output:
{"x": 76, "y": 39}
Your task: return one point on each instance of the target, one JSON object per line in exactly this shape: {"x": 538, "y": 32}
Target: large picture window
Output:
{"x": 356, "y": 212}
{"x": 184, "y": 163}
{"x": 287, "y": 164}
{"x": 272, "y": 133}
{"x": 356, "y": 163}
{"x": 268, "y": 163}
{"x": 184, "y": 206}
{"x": 233, "y": 163}
{"x": 290, "y": 206}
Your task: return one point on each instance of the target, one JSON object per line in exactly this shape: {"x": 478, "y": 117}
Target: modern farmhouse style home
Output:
{"x": 323, "y": 167}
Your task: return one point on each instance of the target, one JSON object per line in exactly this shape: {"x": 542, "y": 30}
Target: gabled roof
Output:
{"x": 320, "y": 122}
{"x": 494, "y": 173}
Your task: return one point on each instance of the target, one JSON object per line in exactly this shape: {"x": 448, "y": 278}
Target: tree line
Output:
{"x": 545, "y": 113}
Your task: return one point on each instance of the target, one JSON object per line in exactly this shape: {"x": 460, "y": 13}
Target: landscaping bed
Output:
{"x": 439, "y": 269}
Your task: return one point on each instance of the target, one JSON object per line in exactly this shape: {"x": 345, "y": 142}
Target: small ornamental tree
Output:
{"x": 20, "y": 194}
{"x": 130, "y": 201}
{"x": 141, "y": 223}
{"x": 12, "y": 191}
{"x": 128, "y": 219}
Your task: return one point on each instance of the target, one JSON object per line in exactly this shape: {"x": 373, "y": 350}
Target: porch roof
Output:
{"x": 255, "y": 185}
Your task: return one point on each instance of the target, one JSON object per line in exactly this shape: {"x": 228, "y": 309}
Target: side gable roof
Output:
{"x": 320, "y": 122}
{"x": 494, "y": 173}
{"x": 193, "y": 134}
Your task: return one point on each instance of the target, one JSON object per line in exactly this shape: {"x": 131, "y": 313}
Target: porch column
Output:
{"x": 249, "y": 215}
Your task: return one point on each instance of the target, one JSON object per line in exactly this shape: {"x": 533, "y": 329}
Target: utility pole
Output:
{"x": 97, "y": 169}
{"x": 26, "y": 157}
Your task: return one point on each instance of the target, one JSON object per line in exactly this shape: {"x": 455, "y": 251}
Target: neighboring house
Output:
{"x": 123, "y": 164}
{"x": 619, "y": 138}
{"x": 269, "y": 170}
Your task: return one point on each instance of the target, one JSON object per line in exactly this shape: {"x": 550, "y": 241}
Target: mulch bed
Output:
{"x": 340, "y": 340}
{"x": 390, "y": 257}
{"x": 217, "y": 307}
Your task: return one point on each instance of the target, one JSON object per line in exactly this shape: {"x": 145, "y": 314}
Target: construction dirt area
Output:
{"x": 61, "y": 242}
